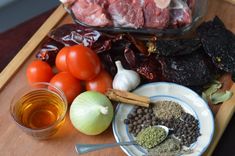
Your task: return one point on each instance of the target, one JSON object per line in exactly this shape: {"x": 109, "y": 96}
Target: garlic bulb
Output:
{"x": 125, "y": 79}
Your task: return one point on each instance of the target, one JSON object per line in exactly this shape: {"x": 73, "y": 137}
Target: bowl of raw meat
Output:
{"x": 159, "y": 17}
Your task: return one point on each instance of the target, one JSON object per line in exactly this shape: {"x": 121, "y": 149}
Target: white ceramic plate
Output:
{"x": 188, "y": 99}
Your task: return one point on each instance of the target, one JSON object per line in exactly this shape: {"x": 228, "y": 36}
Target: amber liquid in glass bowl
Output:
{"x": 40, "y": 112}
{"x": 39, "y": 109}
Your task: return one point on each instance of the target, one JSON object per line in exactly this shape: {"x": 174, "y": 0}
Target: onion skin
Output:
{"x": 91, "y": 113}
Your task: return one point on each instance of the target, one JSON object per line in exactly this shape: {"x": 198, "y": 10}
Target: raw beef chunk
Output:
{"x": 154, "y": 16}
{"x": 126, "y": 13}
{"x": 91, "y": 12}
{"x": 158, "y": 14}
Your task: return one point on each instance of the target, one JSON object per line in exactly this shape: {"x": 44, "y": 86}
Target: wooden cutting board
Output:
{"x": 15, "y": 142}
{"x": 231, "y": 1}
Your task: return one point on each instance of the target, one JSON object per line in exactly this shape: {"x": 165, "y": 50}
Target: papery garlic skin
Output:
{"x": 126, "y": 80}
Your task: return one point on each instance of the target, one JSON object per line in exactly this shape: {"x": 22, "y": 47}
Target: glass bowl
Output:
{"x": 198, "y": 11}
{"x": 39, "y": 109}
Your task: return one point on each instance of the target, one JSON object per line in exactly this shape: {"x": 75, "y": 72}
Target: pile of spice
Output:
{"x": 184, "y": 127}
{"x": 166, "y": 110}
{"x": 169, "y": 147}
{"x": 140, "y": 118}
{"x": 151, "y": 136}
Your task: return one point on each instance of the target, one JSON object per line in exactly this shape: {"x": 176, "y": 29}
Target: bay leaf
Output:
{"x": 219, "y": 97}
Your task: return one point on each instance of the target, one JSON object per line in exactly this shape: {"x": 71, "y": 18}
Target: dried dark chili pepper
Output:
{"x": 188, "y": 70}
{"x": 140, "y": 45}
{"x": 72, "y": 34}
{"x": 177, "y": 46}
{"x": 194, "y": 69}
{"x": 130, "y": 57}
{"x": 108, "y": 63}
{"x": 150, "y": 69}
{"x": 49, "y": 51}
{"x": 219, "y": 43}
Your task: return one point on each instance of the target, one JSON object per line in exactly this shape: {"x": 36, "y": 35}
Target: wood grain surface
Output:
{"x": 231, "y": 1}
{"x": 14, "y": 142}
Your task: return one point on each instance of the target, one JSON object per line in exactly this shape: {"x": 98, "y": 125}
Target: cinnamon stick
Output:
{"x": 130, "y": 95}
{"x": 128, "y": 98}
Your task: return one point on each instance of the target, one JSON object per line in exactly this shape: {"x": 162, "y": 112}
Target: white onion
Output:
{"x": 91, "y": 113}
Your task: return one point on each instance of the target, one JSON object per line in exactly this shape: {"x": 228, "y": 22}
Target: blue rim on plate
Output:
{"x": 155, "y": 85}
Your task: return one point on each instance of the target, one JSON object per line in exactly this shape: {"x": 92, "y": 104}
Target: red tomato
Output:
{"x": 68, "y": 84}
{"x": 60, "y": 60}
{"x": 100, "y": 83}
{"x": 39, "y": 71}
{"x": 82, "y": 62}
